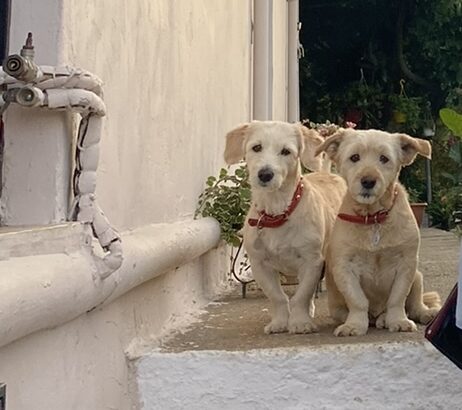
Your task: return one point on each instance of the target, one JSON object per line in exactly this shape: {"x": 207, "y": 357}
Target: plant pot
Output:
{"x": 353, "y": 115}
{"x": 399, "y": 117}
{"x": 418, "y": 209}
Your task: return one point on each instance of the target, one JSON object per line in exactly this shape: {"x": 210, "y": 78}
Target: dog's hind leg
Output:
{"x": 301, "y": 304}
{"x": 269, "y": 281}
{"x": 415, "y": 303}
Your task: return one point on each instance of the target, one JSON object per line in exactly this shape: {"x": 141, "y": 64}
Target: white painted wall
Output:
{"x": 36, "y": 172}
{"x": 177, "y": 78}
{"x": 83, "y": 364}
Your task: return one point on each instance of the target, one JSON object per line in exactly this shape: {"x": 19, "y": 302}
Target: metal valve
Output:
{"x": 26, "y": 96}
{"x": 21, "y": 66}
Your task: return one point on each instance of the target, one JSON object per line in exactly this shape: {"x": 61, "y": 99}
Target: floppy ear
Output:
{"x": 309, "y": 141}
{"x": 331, "y": 144}
{"x": 410, "y": 147}
{"x": 234, "y": 149}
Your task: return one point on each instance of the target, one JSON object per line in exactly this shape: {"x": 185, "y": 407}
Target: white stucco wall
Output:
{"x": 83, "y": 364}
{"x": 37, "y": 154}
{"x": 177, "y": 78}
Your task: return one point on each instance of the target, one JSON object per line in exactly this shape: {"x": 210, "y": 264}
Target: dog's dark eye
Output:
{"x": 384, "y": 159}
{"x": 355, "y": 158}
{"x": 257, "y": 148}
{"x": 285, "y": 152}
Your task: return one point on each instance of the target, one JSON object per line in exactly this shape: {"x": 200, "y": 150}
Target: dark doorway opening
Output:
{"x": 4, "y": 27}
{"x": 4, "y": 34}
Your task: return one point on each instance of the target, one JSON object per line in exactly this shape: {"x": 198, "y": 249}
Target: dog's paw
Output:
{"x": 302, "y": 326}
{"x": 380, "y": 322}
{"x": 402, "y": 325}
{"x": 351, "y": 329}
{"x": 276, "y": 326}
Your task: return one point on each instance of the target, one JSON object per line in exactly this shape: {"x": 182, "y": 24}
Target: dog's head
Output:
{"x": 272, "y": 150}
{"x": 370, "y": 160}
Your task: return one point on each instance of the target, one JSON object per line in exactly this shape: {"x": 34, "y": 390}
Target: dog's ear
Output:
{"x": 409, "y": 147}
{"x": 331, "y": 144}
{"x": 234, "y": 149}
{"x": 308, "y": 143}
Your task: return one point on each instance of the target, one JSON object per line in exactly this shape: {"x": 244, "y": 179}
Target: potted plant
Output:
{"x": 418, "y": 207}
{"x": 406, "y": 110}
{"x": 364, "y": 104}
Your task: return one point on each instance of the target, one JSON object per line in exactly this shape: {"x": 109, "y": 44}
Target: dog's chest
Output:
{"x": 286, "y": 248}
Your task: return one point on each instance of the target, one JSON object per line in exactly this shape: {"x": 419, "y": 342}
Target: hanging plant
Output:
{"x": 406, "y": 110}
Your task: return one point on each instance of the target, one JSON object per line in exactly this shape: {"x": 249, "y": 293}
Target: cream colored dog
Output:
{"x": 372, "y": 258}
{"x": 291, "y": 216}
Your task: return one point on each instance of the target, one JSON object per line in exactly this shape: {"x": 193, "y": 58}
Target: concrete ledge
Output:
{"x": 43, "y": 291}
{"x": 22, "y": 241}
{"x": 366, "y": 376}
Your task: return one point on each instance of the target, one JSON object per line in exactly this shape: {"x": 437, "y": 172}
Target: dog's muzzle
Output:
{"x": 368, "y": 183}
{"x": 265, "y": 175}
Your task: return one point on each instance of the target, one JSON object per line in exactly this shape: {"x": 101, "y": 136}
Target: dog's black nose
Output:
{"x": 265, "y": 175}
{"x": 368, "y": 183}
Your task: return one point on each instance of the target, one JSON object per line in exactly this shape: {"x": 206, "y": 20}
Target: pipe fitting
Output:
{"x": 21, "y": 66}
{"x": 26, "y": 96}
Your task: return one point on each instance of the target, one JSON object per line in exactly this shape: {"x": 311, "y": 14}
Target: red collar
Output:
{"x": 274, "y": 221}
{"x": 377, "y": 218}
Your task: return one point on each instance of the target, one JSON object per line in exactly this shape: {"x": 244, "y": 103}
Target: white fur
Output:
{"x": 297, "y": 247}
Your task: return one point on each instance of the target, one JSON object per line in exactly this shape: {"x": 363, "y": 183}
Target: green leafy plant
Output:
{"x": 445, "y": 204}
{"x": 407, "y": 110}
{"x": 414, "y": 195}
{"x": 448, "y": 197}
{"x": 452, "y": 120}
{"x": 227, "y": 199}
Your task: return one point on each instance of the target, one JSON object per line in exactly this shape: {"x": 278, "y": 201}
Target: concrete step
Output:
{"x": 393, "y": 376}
{"x": 225, "y": 361}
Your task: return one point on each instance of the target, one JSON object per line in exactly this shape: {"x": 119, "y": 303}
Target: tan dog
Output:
{"x": 291, "y": 216}
{"x": 372, "y": 258}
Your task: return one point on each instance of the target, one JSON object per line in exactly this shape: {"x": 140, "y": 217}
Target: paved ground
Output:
{"x": 234, "y": 323}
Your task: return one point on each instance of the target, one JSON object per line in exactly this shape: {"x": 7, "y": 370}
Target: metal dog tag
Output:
{"x": 376, "y": 235}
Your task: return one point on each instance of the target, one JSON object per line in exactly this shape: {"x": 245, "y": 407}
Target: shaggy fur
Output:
{"x": 273, "y": 151}
{"x": 369, "y": 280}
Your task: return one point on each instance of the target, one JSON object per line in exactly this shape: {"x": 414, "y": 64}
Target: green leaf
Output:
{"x": 452, "y": 120}
{"x": 210, "y": 181}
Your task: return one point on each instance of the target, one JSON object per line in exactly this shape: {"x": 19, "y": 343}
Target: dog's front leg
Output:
{"x": 347, "y": 274}
{"x": 395, "y": 317}
{"x": 301, "y": 303}
{"x": 269, "y": 281}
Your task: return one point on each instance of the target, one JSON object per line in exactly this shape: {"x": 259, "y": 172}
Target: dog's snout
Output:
{"x": 265, "y": 175}
{"x": 368, "y": 183}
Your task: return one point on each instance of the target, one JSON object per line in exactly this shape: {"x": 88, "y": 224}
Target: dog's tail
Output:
{"x": 432, "y": 300}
